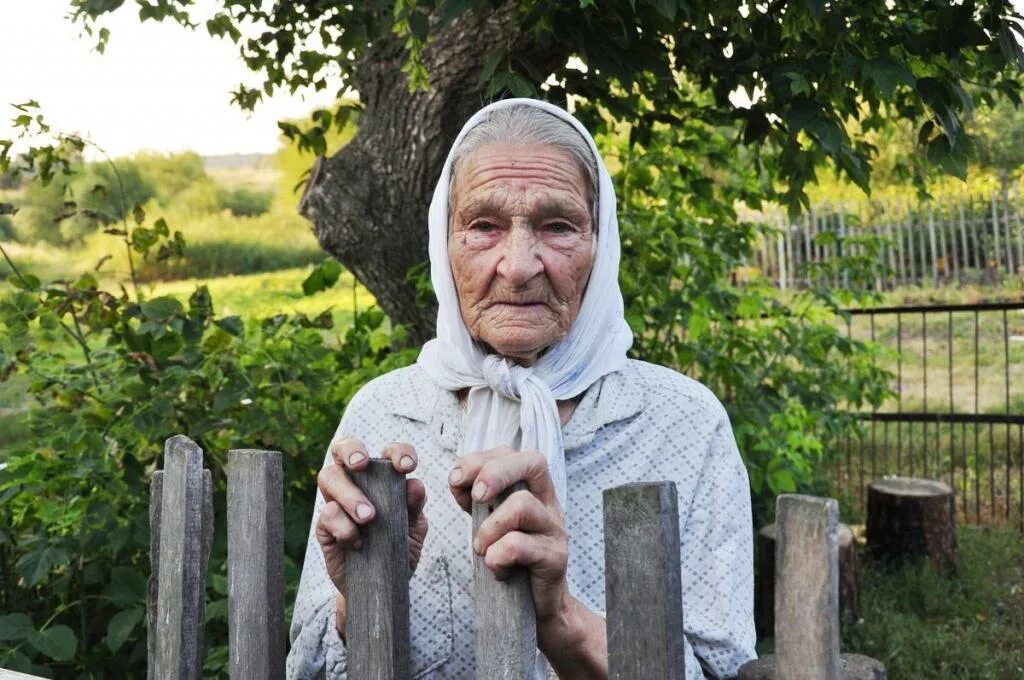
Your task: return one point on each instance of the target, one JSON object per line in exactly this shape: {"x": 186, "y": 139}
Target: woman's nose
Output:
{"x": 520, "y": 260}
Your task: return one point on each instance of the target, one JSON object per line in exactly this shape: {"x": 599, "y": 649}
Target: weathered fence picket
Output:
{"x": 255, "y": 511}
{"x": 377, "y": 581}
{"x": 643, "y": 586}
{"x": 183, "y": 538}
{"x": 950, "y": 238}
{"x": 505, "y": 619}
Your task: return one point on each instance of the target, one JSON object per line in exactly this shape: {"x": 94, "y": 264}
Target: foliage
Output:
{"x": 113, "y": 375}
{"x": 923, "y": 625}
{"x": 243, "y": 202}
{"x": 811, "y": 68}
{"x": 301, "y": 142}
{"x": 784, "y": 369}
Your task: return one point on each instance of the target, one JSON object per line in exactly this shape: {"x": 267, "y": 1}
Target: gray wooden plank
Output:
{"x": 807, "y": 588}
{"x": 505, "y": 618}
{"x": 377, "y": 581}
{"x": 933, "y": 243}
{"x": 255, "y": 517}
{"x": 182, "y": 568}
{"x": 643, "y": 585}
{"x": 996, "y": 256}
{"x": 156, "y": 486}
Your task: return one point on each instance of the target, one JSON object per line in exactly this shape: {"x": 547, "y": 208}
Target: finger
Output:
{"x": 350, "y": 453}
{"x": 501, "y": 472}
{"x": 335, "y": 528}
{"x": 415, "y": 497}
{"x": 463, "y": 475}
{"x": 335, "y": 485}
{"x": 522, "y": 512}
{"x": 402, "y": 456}
{"x": 517, "y": 549}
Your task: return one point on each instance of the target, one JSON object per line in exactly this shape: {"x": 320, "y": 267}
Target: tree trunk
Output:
{"x": 368, "y": 203}
{"x": 912, "y": 519}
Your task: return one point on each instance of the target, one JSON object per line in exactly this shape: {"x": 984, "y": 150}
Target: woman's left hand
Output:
{"x": 526, "y": 530}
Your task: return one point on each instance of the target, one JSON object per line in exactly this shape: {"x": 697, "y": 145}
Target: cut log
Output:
{"x": 851, "y": 667}
{"x": 849, "y": 588}
{"x": 910, "y": 520}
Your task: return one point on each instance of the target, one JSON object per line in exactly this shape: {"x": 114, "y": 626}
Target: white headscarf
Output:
{"x": 509, "y": 404}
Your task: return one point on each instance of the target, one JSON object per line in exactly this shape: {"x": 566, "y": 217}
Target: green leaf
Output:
{"x": 15, "y": 627}
{"x": 34, "y": 566}
{"x": 888, "y": 74}
{"x": 58, "y": 642}
{"x": 323, "y": 276}
{"x": 121, "y": 627}
{"x": 232, "y": 325}
{"x": 161, "y": 309}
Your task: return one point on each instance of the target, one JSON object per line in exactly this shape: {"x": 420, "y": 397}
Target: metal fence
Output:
{"x": 967, "y": 238}
{"x": 958, "y": 413}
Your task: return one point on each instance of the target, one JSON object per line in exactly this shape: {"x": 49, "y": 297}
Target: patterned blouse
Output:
{"x": 644, "y": 423}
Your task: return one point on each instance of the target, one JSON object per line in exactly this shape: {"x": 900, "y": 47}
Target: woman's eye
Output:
{"x": 558, "y": 227}
{"x": 483, "y": 227}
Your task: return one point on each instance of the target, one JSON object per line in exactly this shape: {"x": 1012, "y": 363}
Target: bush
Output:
{"x": 113, "y": 376}
{"x": 246, "y": 202}
{"x": 784, "y": 370}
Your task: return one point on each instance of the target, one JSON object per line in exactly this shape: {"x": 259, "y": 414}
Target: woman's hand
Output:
{"x": 346, "y": 508}
{"x": 528, "y": 530}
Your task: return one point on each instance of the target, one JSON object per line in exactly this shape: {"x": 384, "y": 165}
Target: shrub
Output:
{"x": 246, "y": 202}
{"x": 112, "y": 376}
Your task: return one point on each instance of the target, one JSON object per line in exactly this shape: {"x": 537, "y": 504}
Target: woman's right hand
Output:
{"x": 346, "y": 508}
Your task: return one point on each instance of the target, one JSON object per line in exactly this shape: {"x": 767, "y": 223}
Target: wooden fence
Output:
{"x": 643, "y": 582}
{"x": 964, "y": 238}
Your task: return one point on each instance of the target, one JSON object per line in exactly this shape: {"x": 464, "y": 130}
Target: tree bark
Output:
{"x": 910, "y": 520}
{"x": 368, "y": 203}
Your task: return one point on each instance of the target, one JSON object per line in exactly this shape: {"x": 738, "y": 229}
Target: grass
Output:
{"x": 258, "y": 296}
{"x": 922, "y": 625}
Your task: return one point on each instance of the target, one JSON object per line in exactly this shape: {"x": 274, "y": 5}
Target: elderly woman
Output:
{"x": 528, "y": 381}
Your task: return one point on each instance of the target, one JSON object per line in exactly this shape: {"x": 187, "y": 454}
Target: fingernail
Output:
{"x": 455, "y": 476}
{"x": 476, "y": 545}
{"x": 407, "y": 462}
{"x": 356, "y": 458}
{"x": 479, "y": 490}
{"x": 363, "y": 511}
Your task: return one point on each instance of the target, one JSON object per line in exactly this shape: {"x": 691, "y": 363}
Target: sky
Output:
{"x": 159, "y": 86}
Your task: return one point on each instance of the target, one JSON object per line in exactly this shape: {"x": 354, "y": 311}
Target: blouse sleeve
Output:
{"x": 717, "y": 555}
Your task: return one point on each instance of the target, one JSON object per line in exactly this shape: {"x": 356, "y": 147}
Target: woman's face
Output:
{"x": 520, "y": 247}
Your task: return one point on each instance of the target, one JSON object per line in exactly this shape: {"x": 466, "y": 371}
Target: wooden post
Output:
{"x": 506, "y": 621}
{"x": 807, "y": 588}
{"x": 256, "y": 565}
{"x": 643, "y": 585}
{"x": 932, "y": 243}
{"x": 780, "y": 244}
{"x": 185, "y": 535}
{"x": 902, "y": 256}
{"x": 377, "y": 581}
{"x": 764, "y": 592}
{"x": 995, "y": 236}
{"x": 156, "y": 487}
{"x": 963, "y": 234}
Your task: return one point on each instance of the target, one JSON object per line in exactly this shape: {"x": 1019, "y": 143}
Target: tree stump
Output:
{"x": 851, "y": 667}
{"x": 849, "y": 588}
{"x": 910, "y": 520}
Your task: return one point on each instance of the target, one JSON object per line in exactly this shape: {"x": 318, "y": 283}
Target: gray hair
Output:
{"x": 528, "y": 125}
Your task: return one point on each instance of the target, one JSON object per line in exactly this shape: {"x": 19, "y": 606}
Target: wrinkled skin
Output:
{"x": 520, "y": 246}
